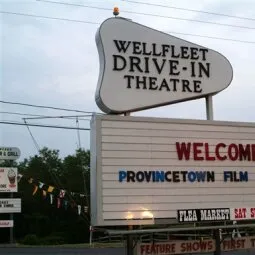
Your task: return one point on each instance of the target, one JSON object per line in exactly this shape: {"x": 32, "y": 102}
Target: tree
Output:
{"x": 39, "y": 216}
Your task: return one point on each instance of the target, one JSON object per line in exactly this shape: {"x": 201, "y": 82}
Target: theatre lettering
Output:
{"x": 152, "y": 60}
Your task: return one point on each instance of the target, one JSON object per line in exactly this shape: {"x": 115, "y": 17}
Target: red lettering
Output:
{"x": 217, "y": 151}
{"x": 252, "y": 212}
{"x": 244, "y": 152}
{"x": 240, "y": 213}
{"x": 253, "y": 152}
{"x": 197, "y": 151}
{"x": 232, "y": 148}
{"x": 183, "y": 150}
{"x": 207, "y": 156}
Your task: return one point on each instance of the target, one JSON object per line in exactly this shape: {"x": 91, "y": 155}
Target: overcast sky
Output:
{"x": 55, "y": 63}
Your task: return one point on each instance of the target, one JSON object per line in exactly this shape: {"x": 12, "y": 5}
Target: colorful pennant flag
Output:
{"x": 62, "y": 193}
{"x": 35, "y": 189}
{"x": 19, "y": 177}
{"x": 58, "y": 202}
{"x": 50, "y": 189}
{"x": 44, "y": 192}
{"x": 41, "y": 184}
{"x": 51, "y": 199}
{"x": 79, "y": 209}
{"x": 30, "y": 180}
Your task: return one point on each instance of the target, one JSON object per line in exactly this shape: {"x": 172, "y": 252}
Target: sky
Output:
{"x": 55, "y": 63}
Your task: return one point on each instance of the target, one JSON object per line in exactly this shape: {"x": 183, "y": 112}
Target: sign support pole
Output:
{"x": 209, "y": 107}
{"x": 209, "y": 115}
{"x": 130, "y": 248}
{"x": 11, "y": 214}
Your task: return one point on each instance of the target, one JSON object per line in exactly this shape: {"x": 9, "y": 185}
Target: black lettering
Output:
{"x": 175, "y": 81}
{"x": 142, "y": 82}
{"x": 159, "y": 68}
{"x": 210, "y": 176}
{"x": 136, "y": 48}
{"x": 165, "y": 49}
{"x": 135, "y": 62}
{"x": 173, "y": 64}
{"x": 130, "y": 176}
{"x": 115, "y": 63}
{"x": 184, "y": 52}
{"x": 122, "y": 45}
{"x": 203, "y": 69}
{"x": 173, "y": 55}
{"x": 152, "y": 83}
{"x": 193, "y": 69}
{"x": 164, "y": 85}
{"x": 147, "y": 175}
{"x": 176, "y": 177}
{"x": 154, "y": 50}
{"x": 166, "y": 176}
{"x": 146, "y": 64}
{"x": 144, "y": 50}
{"x": 194, "y": 53}
{"x": 140, "y": 176}
{"x": 129, "y": 78}
{"x": 197, "y": 88}
{"x": 204, "y": 51}
{"x": 184, "y": 174}
{"x": 185, "y": 86}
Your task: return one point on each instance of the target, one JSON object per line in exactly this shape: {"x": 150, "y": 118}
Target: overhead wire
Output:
{"x": 189, "y": 10}
{"x": 7, "y": 122}
{"x": 147, "y": 14}
{"x": 80, "y": 21}
{"x": 44, "y": 106}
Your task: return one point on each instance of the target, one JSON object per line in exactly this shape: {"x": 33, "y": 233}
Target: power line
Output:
{"x": 203, "y": 36}
{"x": 35, "y": 142}
{"x": 47, "y": 17}
{"x": 147, "y": 14}
{"x": 190, "y": 10}
{"x": 39, "y": 125}
{"x": 45, "y": 107}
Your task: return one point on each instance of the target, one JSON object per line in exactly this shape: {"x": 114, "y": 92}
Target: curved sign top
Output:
{"x": 142, "y": 68}
{"x": 9, "y": 153}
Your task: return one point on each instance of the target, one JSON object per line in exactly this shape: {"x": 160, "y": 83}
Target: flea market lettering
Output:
{"x": 140, "y": 59}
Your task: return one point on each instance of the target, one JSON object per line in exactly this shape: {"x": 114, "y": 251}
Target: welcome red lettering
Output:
{"x": 183, "y": 150}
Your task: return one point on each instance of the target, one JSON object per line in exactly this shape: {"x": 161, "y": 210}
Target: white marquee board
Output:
{"x": 140, "y": 172}
{"x": 10, "y": 205}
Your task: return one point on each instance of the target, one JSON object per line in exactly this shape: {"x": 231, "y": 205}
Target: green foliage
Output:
{"x": 41, "y": 222}
{"x": 30, "y": 240}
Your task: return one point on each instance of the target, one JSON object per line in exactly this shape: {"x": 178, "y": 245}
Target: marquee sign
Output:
{"x": 147, "y": 169}
{"x": 6, "y": 223}
{"x": 8, "y": 179}
{"x": 143, "y": 68}
{"x": 194, "y": 246}
{"x": 9, "y": 153}
{"x": 10, "y": 205}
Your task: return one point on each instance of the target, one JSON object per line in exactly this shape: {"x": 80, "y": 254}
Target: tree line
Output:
{"x": 42, "y": 220}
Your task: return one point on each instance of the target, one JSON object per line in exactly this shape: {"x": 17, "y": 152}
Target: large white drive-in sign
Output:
{"x": 141, "y": 68}
{"x": 147, "y": 169}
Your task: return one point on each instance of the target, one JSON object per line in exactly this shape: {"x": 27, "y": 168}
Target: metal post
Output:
{"x": 209, "y": 107}
{"x": 217, "y": 242}
{"x": 129, "y": 246}
{"x": 11, "y": 228}
{"x": 11, "y": 214}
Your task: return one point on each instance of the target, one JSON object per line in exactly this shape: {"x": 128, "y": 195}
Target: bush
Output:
{"x": 52, "y": 240}
{"x": 30, "y": 240}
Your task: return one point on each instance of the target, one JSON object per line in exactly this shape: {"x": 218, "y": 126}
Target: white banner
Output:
{"x": 10, "y": 205}
{"x": 8, "y": 179}
{"x": 6, "y": 223}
